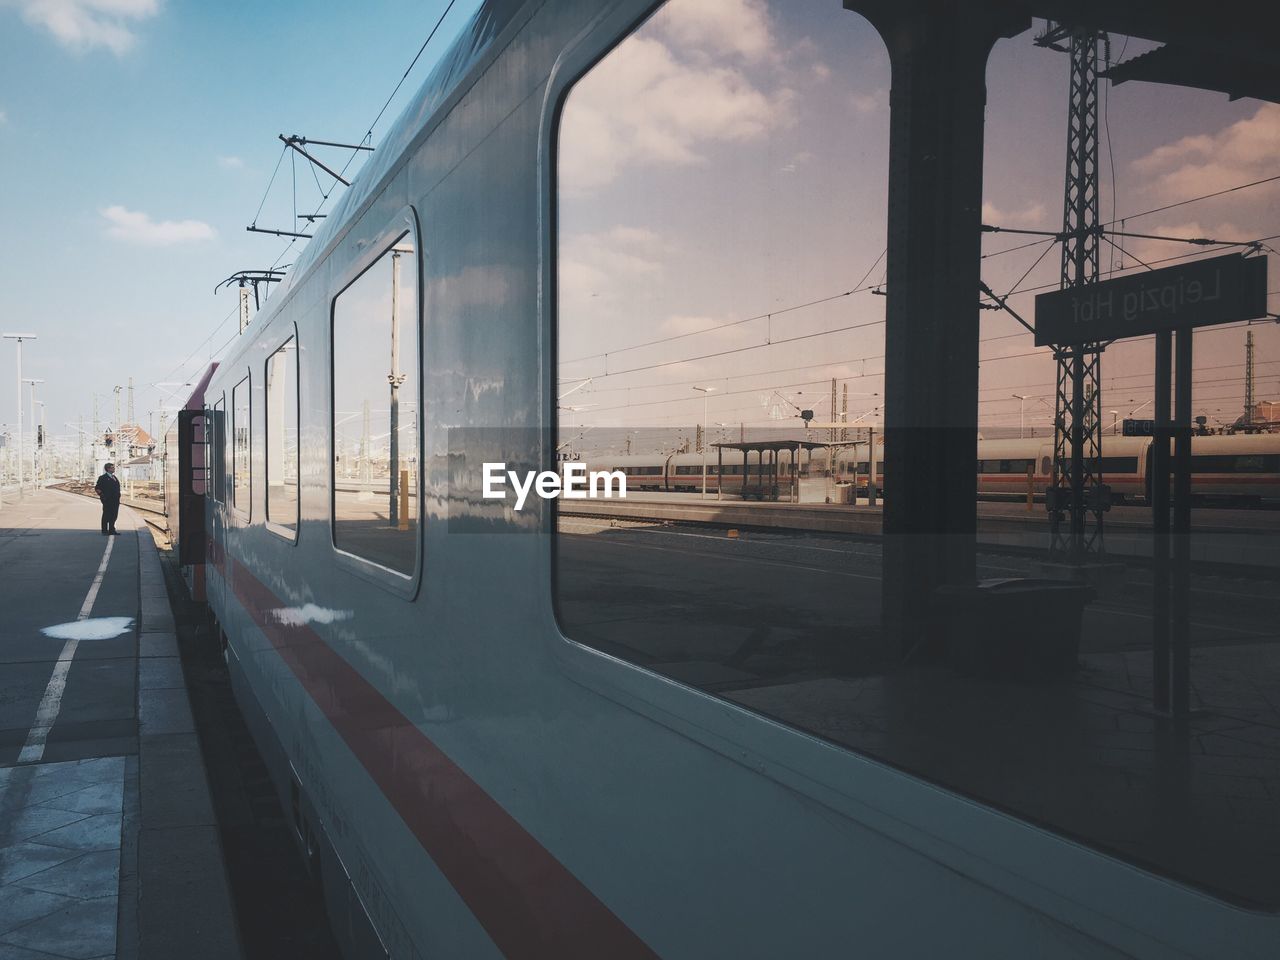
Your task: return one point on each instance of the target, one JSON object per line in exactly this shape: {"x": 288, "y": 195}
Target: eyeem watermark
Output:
{"x": 575, "y": 483}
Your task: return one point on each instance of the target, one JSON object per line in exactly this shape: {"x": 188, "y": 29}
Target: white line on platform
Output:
{"x": 51, "y": 702}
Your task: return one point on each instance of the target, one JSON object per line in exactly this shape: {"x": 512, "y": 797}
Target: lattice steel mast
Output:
{"x": 1077, "y": 498}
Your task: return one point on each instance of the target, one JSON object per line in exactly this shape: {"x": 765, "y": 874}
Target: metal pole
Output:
{"x": 1180, "y": 677}
{"x": 705, "y": 423}
{"x": 20, "y": 454}
{"x": 395, "y": 379}
{"x": 1077, "y": 550}
{"x": 35, "y": 440}
{"x": 871, "y": 467}
{"x": 1159, "y": 486}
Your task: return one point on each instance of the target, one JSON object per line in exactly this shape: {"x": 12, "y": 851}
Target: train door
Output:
{"x": 214, "y": 514}
{"x": 193, "y": 484}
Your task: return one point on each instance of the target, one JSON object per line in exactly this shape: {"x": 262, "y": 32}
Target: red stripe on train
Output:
{"x": 528, "y": 902}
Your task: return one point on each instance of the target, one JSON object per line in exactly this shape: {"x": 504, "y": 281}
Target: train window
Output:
{"x": 217, "y": 446}
{"x": 241, "y": 448}
{"x": 282, "y": 435}
{"x": 721, "y": 201}
{"x": 1119, "y": 464}
{"x": 709, "y": 233}
{"x": 375, "y": 411}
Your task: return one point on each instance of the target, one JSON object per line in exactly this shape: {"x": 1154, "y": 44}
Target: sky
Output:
{"x": 728, "y": 162}
{"x": 137, "y": 139}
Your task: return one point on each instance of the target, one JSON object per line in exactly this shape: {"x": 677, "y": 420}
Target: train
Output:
{"x": 465, "y": 776}
{"x": 1239, "y": 469}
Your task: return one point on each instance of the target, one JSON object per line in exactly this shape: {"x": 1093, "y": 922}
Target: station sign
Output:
{"x": 1138, "y": 428}
{"x": 1197, "y": 294}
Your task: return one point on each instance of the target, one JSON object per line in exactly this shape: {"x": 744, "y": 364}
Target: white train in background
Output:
{"x": 1240, "y": 468}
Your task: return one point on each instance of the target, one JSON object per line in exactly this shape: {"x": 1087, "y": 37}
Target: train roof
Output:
{"x": 196, "y": 400}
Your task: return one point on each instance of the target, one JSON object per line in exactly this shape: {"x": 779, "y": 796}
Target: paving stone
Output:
{"x": 32, "y": 821}
{"x": 158, "y": 644}
{"x": 87, "y": 876}
{"x": 96, "y": 799}
{"x": 164, "y": 712}
{"x": 101, "y": 832}
{"x": 83, "y": 930}
{"x": 156, "y": 673}
{"x": 20, "y": 906}
{"x": 19, "y": 861}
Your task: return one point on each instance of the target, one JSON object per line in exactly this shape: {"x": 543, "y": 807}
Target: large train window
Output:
{"x": 241, "y": 448}
{"x": 720, "y": 190}
{"x": 721, "y": 212}
{"x": 375, "y": 411}
{"x": 282, "y": 436}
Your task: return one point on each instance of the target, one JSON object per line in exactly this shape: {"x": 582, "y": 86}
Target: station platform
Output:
{"x": 109, "y": 847}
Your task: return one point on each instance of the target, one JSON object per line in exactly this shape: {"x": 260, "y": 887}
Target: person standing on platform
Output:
{"x": 108, "y": 488}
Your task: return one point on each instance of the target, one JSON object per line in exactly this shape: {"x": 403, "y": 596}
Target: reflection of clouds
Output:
{"x": 595, "y": 265}
{"x": 729, "y": 28}
{"x": 1142, "y": 249}
{"x": 477, "y": 286}
{"x": 657, "y": 99}
{"x": 1207, "y": 162}
{"x": 863, "y": 103}
{"x": 1028, "y": 215}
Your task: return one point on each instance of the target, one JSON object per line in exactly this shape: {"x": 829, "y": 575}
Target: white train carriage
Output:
{"x": 469, "y": 781}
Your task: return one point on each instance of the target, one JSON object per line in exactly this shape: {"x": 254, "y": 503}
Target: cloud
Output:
{"x": 230, "y": 163}
{"x": 1208, "y": 162}
{"x": 1030, "y": 215}
{"x": 4, "y": 118}
{"x": 595, "y": 265}
{"x": 658, "y": 99}
{"x": 134, "y": 226}
{"x": 719, "y": 27}
{"x": 1149, "y": 251}
{"x": 82, "y": 25}
{"x": 864, "y": 103}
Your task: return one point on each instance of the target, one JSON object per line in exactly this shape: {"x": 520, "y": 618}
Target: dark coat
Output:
{"x": 108, "y": 488}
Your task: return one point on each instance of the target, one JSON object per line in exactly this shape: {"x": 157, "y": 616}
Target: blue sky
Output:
{"x": 167, "y": 110}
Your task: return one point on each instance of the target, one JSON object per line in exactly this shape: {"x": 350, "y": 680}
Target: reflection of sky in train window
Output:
{"x": 282, "y": 435}
{"x": 241, "y": 447}
{"x": 703, "y": 183}
{"x": 722, "y": 215}
{"x": 375, "y": 411}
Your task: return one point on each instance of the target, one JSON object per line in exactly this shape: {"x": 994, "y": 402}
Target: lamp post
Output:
{"x": 19, "y": 337}
{"x": 35, "y": 450}
{"x": 1022, "y": 413}
{"x": 706, "y": 392}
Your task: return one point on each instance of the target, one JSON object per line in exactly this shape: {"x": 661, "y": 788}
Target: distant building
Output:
{"x": 130, "y": 441}
{"x": 1265, "y": 416}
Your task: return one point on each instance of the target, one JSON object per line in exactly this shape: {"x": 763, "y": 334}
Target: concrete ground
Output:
{"x": 108, "y": 845}
{"x": 787, "y": 624}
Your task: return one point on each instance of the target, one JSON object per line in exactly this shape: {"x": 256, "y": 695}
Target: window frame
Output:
{"x": 218, "y": 448}
{"x": 282, "y": 530}
{"x": 244, "y": 513}
{"x": 375, "y": 247}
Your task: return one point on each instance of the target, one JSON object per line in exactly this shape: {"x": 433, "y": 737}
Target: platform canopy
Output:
{"x": 1222, "y": 46}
